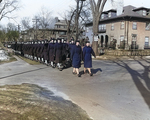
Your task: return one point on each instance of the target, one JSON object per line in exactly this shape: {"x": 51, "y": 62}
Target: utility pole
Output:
{"x": 19, "y": 28}
{"x": 36, "y": 21}
{"x": 19, "y": 31}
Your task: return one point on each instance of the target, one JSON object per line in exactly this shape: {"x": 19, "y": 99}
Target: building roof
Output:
{"x": 141, "y": 8}
{"x": 129, "y": 13}
{"x": 112, "y": 10}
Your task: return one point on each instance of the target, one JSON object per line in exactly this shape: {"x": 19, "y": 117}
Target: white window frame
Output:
{"x": 109, "y": 14}
{"x": 147, "y": 41}
{"x": 144, "y": 12}
{"x": 134, "y": 26}
{"x": 102, "y": 27}
{"x": 102, "y": 17}
{"x": 112, "y": 26}
{"x": 147, "y": 26}
{"x": 122, "y": 25}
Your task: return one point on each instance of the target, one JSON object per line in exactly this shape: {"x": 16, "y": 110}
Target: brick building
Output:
{"x": 131, "y": 28}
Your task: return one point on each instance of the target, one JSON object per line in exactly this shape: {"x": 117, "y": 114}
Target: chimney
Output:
{"x": 56, "y": 19}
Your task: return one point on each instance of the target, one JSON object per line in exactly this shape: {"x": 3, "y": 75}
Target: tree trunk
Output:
{"x": 95, "y": 25}
{"x": 95, "y": 32}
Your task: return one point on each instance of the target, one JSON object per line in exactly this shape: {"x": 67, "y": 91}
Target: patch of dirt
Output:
{"x": 31, "y": 102}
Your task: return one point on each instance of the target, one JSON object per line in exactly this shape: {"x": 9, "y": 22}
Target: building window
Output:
{"x": 109, "y": 14}
{"x": 102, "y": 17}
{"x": 102, "y": 27}
{"x": 112, "y": 26}
{"x": 122, "y": 25}
{"x": 58, "y": 26}
{"x": 147, "y": 27}
{"x": 134, "y": 26}
{"x": 146, "y": 41}
{"x": 144, "y": 13}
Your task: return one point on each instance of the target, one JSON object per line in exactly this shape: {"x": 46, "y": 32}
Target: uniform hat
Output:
{"x": 87, "y": 42}
{"x": 77, "y": 41}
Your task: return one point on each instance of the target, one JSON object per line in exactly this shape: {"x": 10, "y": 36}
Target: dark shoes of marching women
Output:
{"x": 79, "y": 75}
{"x": 91, "y": 74}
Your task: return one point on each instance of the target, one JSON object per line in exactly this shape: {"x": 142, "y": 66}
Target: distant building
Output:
{"x": 131, "y": 28}
{"x": 59, "y": 31}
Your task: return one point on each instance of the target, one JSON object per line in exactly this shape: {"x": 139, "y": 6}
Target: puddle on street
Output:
{"x": 32, "y": 102}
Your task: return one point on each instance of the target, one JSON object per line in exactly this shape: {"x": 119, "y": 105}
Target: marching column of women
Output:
{"x": 58, "y": 53}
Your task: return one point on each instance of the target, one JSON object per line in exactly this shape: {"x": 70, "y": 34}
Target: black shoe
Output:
{"x": 79, "y": 75}
{"x": 91, "y": 74}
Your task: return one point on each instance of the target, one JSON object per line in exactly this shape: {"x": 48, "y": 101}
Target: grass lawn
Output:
{"x": 29, "y": 61}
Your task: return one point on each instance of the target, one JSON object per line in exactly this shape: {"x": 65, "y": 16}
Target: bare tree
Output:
{"x": 26, "y": 23}
{"x": 11, "y": 27}
{"x": 69, "y": 18}
{"x": 7, "y": 7}
{"x": 97, "y": 9}
{"x": 73, "y": 16}
{"x": 46, "y": 21}
{"x": 2, "y": 34}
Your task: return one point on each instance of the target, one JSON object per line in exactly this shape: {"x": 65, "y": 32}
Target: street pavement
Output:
{"x": 118, "y": 90}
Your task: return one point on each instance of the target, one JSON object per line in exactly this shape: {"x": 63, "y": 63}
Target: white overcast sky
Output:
{"x": 58, "y": 7}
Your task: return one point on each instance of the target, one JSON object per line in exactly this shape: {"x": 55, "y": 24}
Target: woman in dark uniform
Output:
{"x": 58, "y": 53}
{"x": 51, "y": 52}
{"x": 87, "y": 52}
{"x": 76, "y": 56}
{"x": 45, "y": 52}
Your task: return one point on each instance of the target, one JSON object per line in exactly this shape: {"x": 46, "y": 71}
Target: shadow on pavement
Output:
{"x": 136, "y": 77}
{"x": 22, "y": 73}
{"x": 94, "y": 71}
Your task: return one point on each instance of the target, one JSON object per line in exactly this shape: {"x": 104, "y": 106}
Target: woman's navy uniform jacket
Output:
{"x": 58, "y": 52}
{"x": 70, "y": 49}
{"x": 76, "y": 56}
{"x": 51, "y": 51}
{"x": 38, "y": 50}
{"x": 87, "y": 51}
{"x": 41, "y": 50}
{"x": 45, "y": 51}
